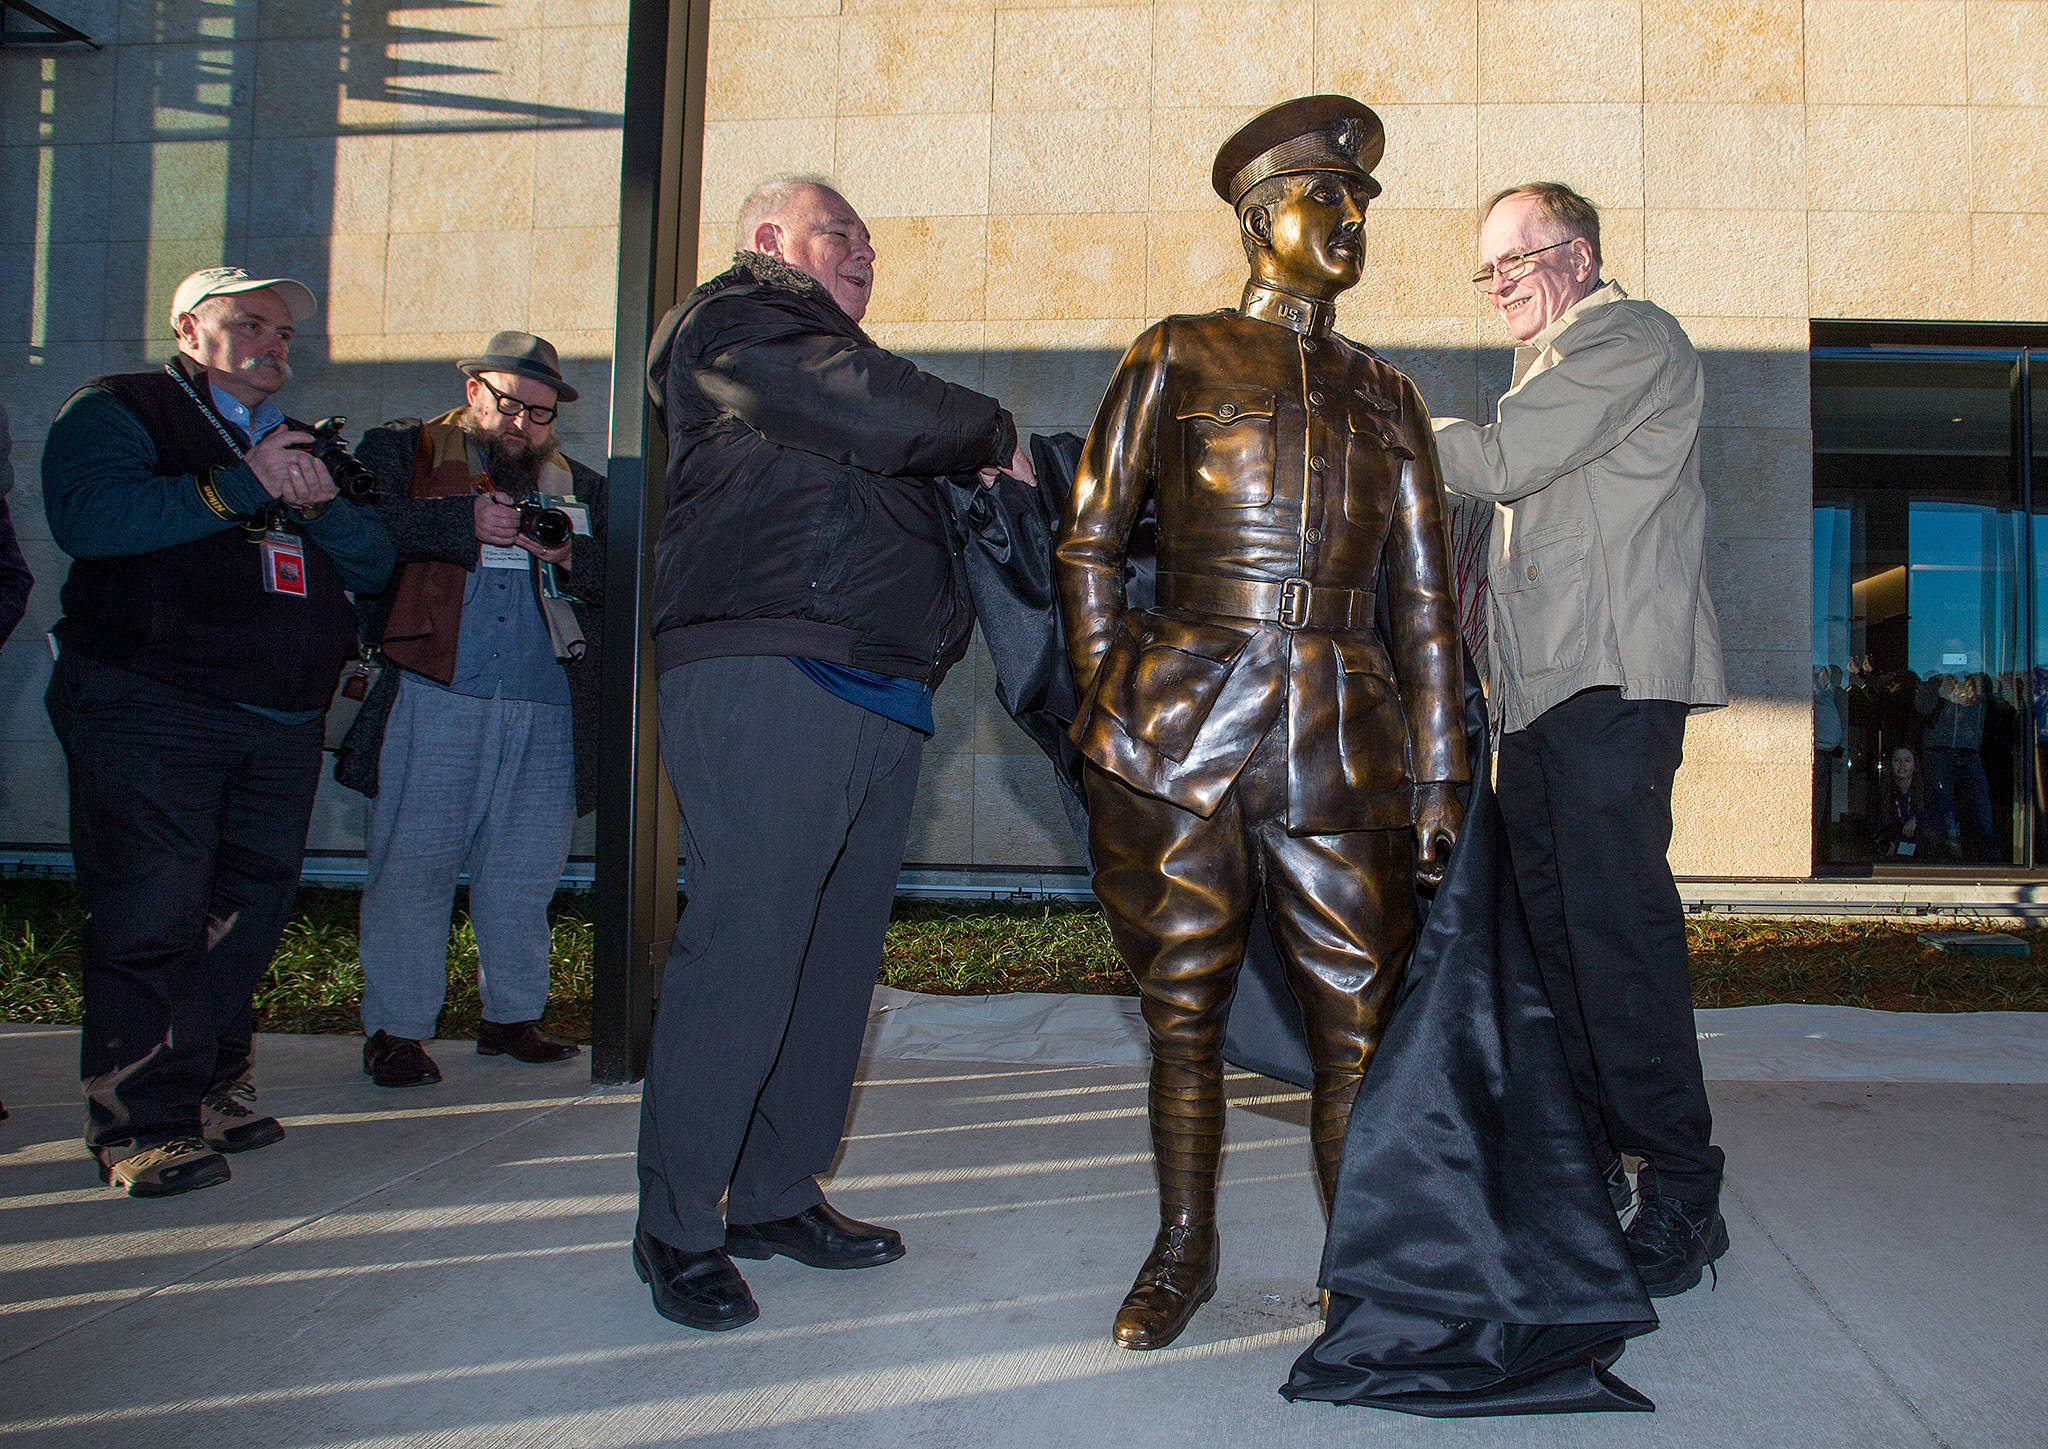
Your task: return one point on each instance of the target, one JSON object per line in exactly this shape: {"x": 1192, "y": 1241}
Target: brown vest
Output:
{"x": 426, "y": 611}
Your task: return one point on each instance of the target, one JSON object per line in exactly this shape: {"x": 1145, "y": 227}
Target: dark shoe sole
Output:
{"x": 709, "y": 1325}
{"x": 1690, "y": 1279}
{"x": 189, "y": 1179}
{"x": 746, "y": 1245}
{"x": 568, "y": 1056}
{"x": 426, "y": 1079}
{"x": 1117, "y": 1336}
{"x": 249, "y": 1138}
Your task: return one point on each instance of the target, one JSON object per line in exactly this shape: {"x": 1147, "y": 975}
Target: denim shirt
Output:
{"x": 502, "y": 648}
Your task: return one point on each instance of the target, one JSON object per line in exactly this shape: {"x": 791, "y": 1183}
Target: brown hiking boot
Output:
{"x": 228, "y": 1121}
{"x": 180, "y": 1165}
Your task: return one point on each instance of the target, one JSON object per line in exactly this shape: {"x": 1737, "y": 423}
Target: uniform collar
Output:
{"x": 1306, "y": 315}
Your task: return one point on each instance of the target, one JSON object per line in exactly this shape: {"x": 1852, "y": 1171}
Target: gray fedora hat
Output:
{"x": 526, "y": 355}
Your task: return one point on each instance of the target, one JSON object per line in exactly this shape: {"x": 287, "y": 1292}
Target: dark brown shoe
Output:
{"x": 523, "y": 1041}
{"x": 1178, "y": 1278}
{"x": 398, "y": 1061}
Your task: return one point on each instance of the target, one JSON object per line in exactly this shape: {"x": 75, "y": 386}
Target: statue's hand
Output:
{"x": 1437, "y": 818}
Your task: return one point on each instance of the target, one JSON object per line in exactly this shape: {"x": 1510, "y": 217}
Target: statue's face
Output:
{"x": 1316, "y": 232}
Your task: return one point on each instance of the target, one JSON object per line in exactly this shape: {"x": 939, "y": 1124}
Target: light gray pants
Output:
{"x": 490, "y": 783}
{"x": 795, "y": 808}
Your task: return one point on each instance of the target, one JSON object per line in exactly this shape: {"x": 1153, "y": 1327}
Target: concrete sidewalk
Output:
{"x": 448, "y": 1266}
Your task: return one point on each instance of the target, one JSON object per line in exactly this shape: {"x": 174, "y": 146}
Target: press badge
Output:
{"x": 284, "y": 564}
{"x": 502, "y": 556}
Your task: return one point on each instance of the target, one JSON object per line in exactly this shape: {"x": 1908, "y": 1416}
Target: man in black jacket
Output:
{"x": 205, "y": 624}
{"x": 809, "y": 595}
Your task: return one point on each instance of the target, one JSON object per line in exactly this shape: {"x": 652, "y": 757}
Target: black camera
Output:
{"x": 352, "y": 477}
{"x": 548, "y": 527}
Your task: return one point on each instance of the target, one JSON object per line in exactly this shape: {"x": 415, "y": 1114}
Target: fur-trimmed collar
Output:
{"x": 771, "y": 272}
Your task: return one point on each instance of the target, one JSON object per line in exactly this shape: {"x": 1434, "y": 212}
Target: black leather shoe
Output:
{"x": 398, "y": 1061}
{"x": 1673, "y": 1242}
{"x": 523, "y": 1041}
{"x": 697, "y": 1290}
{"x": 822, "y": 1237}
{"x": 1179, "y": 1276}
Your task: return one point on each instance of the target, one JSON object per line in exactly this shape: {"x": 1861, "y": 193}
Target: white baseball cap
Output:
{"x": 226, "y": 281}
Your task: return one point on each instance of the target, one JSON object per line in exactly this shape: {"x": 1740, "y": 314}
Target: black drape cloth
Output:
{"x": 1473, "y": 1262}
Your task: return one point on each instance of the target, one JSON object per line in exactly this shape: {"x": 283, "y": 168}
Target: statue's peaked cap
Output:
{"x": 1308, "y": 133}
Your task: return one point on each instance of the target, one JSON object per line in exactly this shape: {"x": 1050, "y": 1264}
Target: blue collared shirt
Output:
{"x": 502, "y": 648}
{"x": 251, "y": 425}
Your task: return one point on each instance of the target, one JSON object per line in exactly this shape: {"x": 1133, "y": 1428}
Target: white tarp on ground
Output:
{"x": 1737, "y": 1044}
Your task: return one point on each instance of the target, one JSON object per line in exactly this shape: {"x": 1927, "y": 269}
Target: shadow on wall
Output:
{"x": 987, "y": 796}
{"x": 215, "y": 130}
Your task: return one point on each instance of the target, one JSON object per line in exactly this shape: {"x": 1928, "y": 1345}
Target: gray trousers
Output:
{"x": 795, "y": 808}
{"x": 490, "y": 783}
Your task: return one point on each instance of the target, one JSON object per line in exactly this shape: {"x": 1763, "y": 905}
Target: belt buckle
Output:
{"x": 1294, "y": 594}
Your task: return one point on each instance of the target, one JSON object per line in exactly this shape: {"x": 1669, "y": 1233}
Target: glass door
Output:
{"x": 1923, "y": 738}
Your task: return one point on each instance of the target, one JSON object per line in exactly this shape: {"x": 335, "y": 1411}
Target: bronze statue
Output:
{"x": 1259, "y": 735}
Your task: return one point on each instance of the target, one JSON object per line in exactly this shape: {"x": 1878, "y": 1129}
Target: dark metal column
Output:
{"x": 660, "y": 167}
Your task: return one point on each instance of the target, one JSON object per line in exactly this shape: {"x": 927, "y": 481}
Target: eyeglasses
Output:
{"x": 512, "y": 407}
{"x": 1514, "y": 266}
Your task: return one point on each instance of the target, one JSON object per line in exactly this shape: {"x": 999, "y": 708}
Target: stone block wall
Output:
{"x": 1036, "y": 178}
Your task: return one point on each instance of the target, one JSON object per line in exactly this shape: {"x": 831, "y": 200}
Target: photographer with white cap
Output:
{"x": 205, "y": 623}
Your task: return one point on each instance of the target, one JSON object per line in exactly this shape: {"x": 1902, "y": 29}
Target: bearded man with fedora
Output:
{"x": 477, "y": 744}
{"x": 1256, "y": 736}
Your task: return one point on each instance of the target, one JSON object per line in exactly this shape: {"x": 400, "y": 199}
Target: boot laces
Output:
{"x": 1669, "y": 1226}
{"x": 227, "y": 1099}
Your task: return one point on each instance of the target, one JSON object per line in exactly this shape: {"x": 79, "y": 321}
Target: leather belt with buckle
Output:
{"x": 1291, "y": 603}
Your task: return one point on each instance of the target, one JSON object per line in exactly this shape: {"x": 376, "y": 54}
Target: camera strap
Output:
{"x": 271, "y": 515}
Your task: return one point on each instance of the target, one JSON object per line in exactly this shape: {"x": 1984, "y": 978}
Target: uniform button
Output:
{"x": 1315, "y": 399}
{"x": 1532, "y": 571}
{"x": 1316, "y": 464}
{"x": 1228, "y": 410}
{"x": 1314, "y": 535}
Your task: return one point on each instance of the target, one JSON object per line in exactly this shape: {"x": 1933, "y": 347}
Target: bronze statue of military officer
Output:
{"x": 1259, "y": 735}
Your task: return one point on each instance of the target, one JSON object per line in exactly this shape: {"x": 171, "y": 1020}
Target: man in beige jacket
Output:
{"x": 1602, "y": 638}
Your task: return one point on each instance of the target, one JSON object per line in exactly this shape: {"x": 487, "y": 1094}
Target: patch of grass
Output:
{"x": 982, "y": 950}
{"x": 315, "y": 982}
{"x": 1881, "y": 964}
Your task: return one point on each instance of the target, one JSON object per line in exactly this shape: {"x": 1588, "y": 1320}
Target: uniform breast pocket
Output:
{"x": 1227, "y": 438}
{"x": 1374, "y": 457}
{"x": 1541, "y": 592}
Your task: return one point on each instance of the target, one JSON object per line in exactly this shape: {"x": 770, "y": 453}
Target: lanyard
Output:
{"x": 271, "y": 515}
{"x": 211, "y": 416}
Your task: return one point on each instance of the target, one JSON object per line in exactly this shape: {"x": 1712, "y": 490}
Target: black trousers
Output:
{"x": 1585, "y": 793}
{"x": 795, "y": 807}
{"x": 188, "y": 828}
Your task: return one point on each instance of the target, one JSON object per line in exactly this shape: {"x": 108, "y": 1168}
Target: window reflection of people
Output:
{"x": 1830, "y": 753}
{"x": 1954, "y": 741}
{"x": 1910, "y": 822}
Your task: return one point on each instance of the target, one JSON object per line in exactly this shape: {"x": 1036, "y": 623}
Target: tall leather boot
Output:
{"x": 1179, "y": 1274}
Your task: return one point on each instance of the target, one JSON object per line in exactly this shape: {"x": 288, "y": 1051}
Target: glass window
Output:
{"x": 1922, "y": 743}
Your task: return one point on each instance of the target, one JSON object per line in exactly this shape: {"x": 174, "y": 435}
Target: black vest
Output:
{"x": 196, "y": 615}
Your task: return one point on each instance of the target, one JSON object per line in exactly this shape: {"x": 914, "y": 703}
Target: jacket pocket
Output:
{"x": 1227, "y": 433}
{"x": 1541, "y": 589}
{"x": 1374, "y": 457}
{"x": 1372, "y": 730}
{"x": 1162, "y": 676}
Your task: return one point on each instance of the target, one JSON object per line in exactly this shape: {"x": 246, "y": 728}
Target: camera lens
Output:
{"x": 548, "y": 527}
